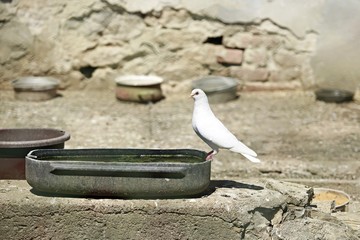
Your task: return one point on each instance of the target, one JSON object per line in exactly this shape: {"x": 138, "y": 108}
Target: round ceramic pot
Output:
{"x": 35, "y": 88}
{"x": 16, "y": 143}
{"x": 139, "y": 88}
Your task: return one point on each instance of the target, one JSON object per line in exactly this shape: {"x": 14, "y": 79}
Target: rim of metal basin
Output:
{"x": 138, "y": 80}
{"x": 35, "y": 83}
{"x": 31, "y": 137}
{"x": 214, "y": 83}
{"x": 343, "y": 196}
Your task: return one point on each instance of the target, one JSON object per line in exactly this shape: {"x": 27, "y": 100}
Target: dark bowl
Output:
{"x": 334, "y": 95}
{"x": 15, "y": 143}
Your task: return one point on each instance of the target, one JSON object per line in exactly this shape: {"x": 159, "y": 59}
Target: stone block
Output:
{"x": 242, "y": 40}
{"x": 104, "y": 56}
{"x": 15, "y": 41}
{"x": 205, "y": 54}
{"x": 76, "y": 44}
{"x": 286, "y": 58}
{"x": 208, "y": 28}
{"x": 272, "y": 41}
{"x": 102, "y": 79}
{"x": 245, "y": 40}
{"x": 271, "y": 86}
{"x": 171, "y": 18}
{"x": 257, "y": 57}
{"x": 137, "y": 66}
{"x": 73, "y": 81}
{"x": 308, "y": 228}
{"x": 325, "y": 206}
{"x": 306, "y": 44}
{"x": 178, "y": 68}
{"x": 285, "y": 75}
{"x": 297, "y": 194}
{"x": 307, "y": 74}
{"x": 229, "y": 56}
{"x": 174, "y": 40}
{"x": 123, "y": 27}
{"x": 249, "y": 74}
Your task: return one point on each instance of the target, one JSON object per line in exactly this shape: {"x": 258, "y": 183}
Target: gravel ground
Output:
{"x": 298, "y": 138}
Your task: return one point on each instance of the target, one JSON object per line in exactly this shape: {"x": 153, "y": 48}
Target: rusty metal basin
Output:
{"x": 35, "y": 88}
{"x": 125, "y": 173}
{"x": 339, "y": 199}
{"x": 218, "y": 89}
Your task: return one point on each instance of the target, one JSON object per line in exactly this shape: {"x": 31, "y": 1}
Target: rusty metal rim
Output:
{"x": 223, "y": 84}
{"x": 318, "y": 190}
{"x": 32, "y": 83}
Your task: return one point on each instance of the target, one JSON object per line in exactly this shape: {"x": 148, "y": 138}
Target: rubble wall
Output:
{"x": 264, "y": 44}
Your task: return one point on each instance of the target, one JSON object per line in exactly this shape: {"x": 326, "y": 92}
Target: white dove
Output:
{"x": 209, "y": 128}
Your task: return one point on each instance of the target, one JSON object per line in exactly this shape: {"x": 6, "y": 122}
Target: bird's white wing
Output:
{"x": 211, "y": 129}
{"x": 211, "y": 144}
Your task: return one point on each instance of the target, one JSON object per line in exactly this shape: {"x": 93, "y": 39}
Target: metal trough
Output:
{"x": 126, "y": 173}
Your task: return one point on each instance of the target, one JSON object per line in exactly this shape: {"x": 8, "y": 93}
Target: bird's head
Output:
{"x": 197, "y": 94}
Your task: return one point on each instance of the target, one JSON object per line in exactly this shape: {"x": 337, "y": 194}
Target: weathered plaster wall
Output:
{"x": 298, "y": 16}
{"x": 337, "y": 57}
{"x": 264, "y": 44}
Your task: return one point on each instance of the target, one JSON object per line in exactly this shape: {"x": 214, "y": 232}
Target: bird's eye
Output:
{"x": 196, "y": 93}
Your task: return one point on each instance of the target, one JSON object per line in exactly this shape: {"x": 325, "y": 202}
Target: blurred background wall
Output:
{"x": 266, "y": 44}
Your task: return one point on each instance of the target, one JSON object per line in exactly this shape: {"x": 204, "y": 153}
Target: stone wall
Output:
{"x": 87, "y": 43}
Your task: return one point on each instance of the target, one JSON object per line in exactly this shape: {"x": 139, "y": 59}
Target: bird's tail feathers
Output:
{"x": 243, "y": 149}
{"x": 251, "y": 158}
{"x": 246, "y": 152}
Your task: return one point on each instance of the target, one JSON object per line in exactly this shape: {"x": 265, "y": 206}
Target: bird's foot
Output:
{"x": 209, "y": 156}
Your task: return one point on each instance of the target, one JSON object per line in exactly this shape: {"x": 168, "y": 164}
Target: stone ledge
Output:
{"x": 230, "y": 210}
{"x": 261, "y": 209}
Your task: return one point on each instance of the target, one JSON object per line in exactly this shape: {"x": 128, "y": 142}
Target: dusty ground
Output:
{"x": 298, "y": 138}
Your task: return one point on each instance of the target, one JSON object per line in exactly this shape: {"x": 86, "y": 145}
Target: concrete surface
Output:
{"x": 241, "y": 209}
{"x": 230, "y": 210}
{"x": 297, "y": 138}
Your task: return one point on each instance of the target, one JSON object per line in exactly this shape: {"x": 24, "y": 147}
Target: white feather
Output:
{"x": 251, "y": 158}
{"x": 212, "y": 131}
